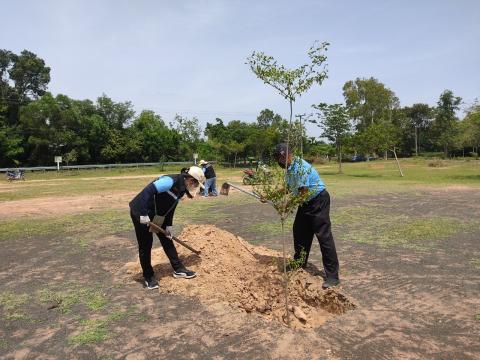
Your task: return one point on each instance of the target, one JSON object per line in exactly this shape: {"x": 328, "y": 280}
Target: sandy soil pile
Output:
{"x": 245, "y": 276}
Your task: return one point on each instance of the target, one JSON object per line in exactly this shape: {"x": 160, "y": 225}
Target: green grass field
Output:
{"x": 359, "y": 178}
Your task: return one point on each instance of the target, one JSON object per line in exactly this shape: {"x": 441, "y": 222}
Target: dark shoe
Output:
{"x": 329, "y": 283}
{"x": 313, "y": 270}
{"x": 184, "y": 274}
{"x": 151, "y": 283}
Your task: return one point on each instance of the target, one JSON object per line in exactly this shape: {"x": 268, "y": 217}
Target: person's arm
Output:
{"x": 303, "y": 190}
{"x": 145, "y": 195}
{"x": 169, "y": 217}
{"x": 301, "y": 180}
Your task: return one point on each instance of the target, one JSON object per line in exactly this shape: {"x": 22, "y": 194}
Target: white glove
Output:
{"x": 169, "y": 230}
{"x": 144, "y": 219}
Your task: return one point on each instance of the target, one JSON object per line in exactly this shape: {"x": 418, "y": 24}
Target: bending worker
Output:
{"x": 210, "y": 178}
{"x": 157, "y": 203}
{"x": 313, "y": 216}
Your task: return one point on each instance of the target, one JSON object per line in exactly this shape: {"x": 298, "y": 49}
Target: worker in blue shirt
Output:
{"x": 157, "y": 202}
{"x": 313, "y": 216}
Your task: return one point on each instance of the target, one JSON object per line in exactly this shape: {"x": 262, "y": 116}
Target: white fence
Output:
{"x": 100, "y": 166}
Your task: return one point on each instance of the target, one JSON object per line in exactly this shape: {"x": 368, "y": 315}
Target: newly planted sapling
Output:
{"x": 290, "y": 84}
{"x": 282, "y": 191}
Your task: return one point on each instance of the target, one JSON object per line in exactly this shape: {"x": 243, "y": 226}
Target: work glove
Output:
{"x": 169, "y": 230}
{"x": 144, "y": 219}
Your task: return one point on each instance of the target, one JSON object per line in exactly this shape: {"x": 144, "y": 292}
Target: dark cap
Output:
{"x": 281, "y": 150}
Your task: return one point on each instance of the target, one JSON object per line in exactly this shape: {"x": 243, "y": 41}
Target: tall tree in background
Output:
{"x": 268, "y": 118}
{"x": 23, "y": 78}
{"x": 419, "y": 116}
{"x": 369, "y": 101}
{"x": 118, "y": 115}
{"x": 335, "y": 122}
{"x": 471, "y": 128}
{"x": 217, "y": 131}
{"x": 10, "y": 146}
{"x": 189, "y": 130}
{"x": 154, "y": 136}
{"x": 446, "y": 122}
{"x": 235, "y": 148}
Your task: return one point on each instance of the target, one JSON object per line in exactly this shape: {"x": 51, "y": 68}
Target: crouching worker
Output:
{"x": 157, "y": 203}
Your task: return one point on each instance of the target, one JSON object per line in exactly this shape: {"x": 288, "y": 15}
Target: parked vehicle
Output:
{"x": 248, "y": 177}
{"x": 252, "y": 177}
{"x": 359, "y": 158}
{"x": 16, "y": 175}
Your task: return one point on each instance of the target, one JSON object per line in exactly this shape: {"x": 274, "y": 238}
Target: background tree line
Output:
{"x": 35, "y": 126}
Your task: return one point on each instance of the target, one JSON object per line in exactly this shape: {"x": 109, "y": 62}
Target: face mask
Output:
{"x": 192, "y": 189}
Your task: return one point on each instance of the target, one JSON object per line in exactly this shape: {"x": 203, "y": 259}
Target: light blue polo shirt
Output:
{"x": 300, "y": 174}
{"x": 163, "y": 184}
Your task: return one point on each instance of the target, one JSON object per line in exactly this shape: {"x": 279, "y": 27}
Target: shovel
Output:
{"x": 226, "y": 188}
{"x": 157, "y": 229}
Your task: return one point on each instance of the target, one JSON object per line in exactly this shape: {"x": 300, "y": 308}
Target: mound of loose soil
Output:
{"x": 245, "y": 276}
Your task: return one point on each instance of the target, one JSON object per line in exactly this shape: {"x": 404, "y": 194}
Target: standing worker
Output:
{"x": 210, "y": 178}
{"x": 157, "y": 203}
{"x": 313, "y": 216}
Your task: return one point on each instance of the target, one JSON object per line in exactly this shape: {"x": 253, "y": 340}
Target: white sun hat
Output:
{"x": 197, "y": 174}
{"x": 202, "y": 162}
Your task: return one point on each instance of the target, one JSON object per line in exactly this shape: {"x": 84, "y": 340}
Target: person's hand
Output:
{"x": 144, "y": 219}
{"x": 169, "y": 230}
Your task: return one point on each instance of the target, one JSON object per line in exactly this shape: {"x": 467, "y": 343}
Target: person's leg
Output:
{"x": 302, "y": 236}
{"x": 213, "y": 186}
{"x": 144, "y": 239}
{"x": 170, "y": 251}
{"x": 207, "y": 185}
{"x": 323, "y": 231}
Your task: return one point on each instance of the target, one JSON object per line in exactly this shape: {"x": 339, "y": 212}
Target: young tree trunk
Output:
{"x": 235, "y": 161}
{"x": 385, "y": 155}
{"x": 284, "y": 245}
{"x": 285, "y": 278}
{"x": 398, "y": 163}
{"x": 445, "y": 151}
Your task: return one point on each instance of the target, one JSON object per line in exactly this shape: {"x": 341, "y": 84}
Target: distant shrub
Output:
{"x": 312, "y": 159}
{"x": 431, "y": 155}
{"x": 436, "y": 163}
{"x": 321, "y": 160}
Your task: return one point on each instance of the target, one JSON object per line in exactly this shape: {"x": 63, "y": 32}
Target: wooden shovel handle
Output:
{"x": 158, "y": 229}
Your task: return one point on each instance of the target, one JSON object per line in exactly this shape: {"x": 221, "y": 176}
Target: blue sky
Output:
{"x": 188, "y": 57}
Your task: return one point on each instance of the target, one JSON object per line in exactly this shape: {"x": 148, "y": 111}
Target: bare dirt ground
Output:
{"x": 55, "y": 205}
{"x": 410, "y": 304}
{"x": 246, "y": 277}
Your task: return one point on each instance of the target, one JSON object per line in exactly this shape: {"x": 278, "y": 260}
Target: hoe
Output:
{"x": 226, "y": 188}
{"x": 157, "y": 229}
